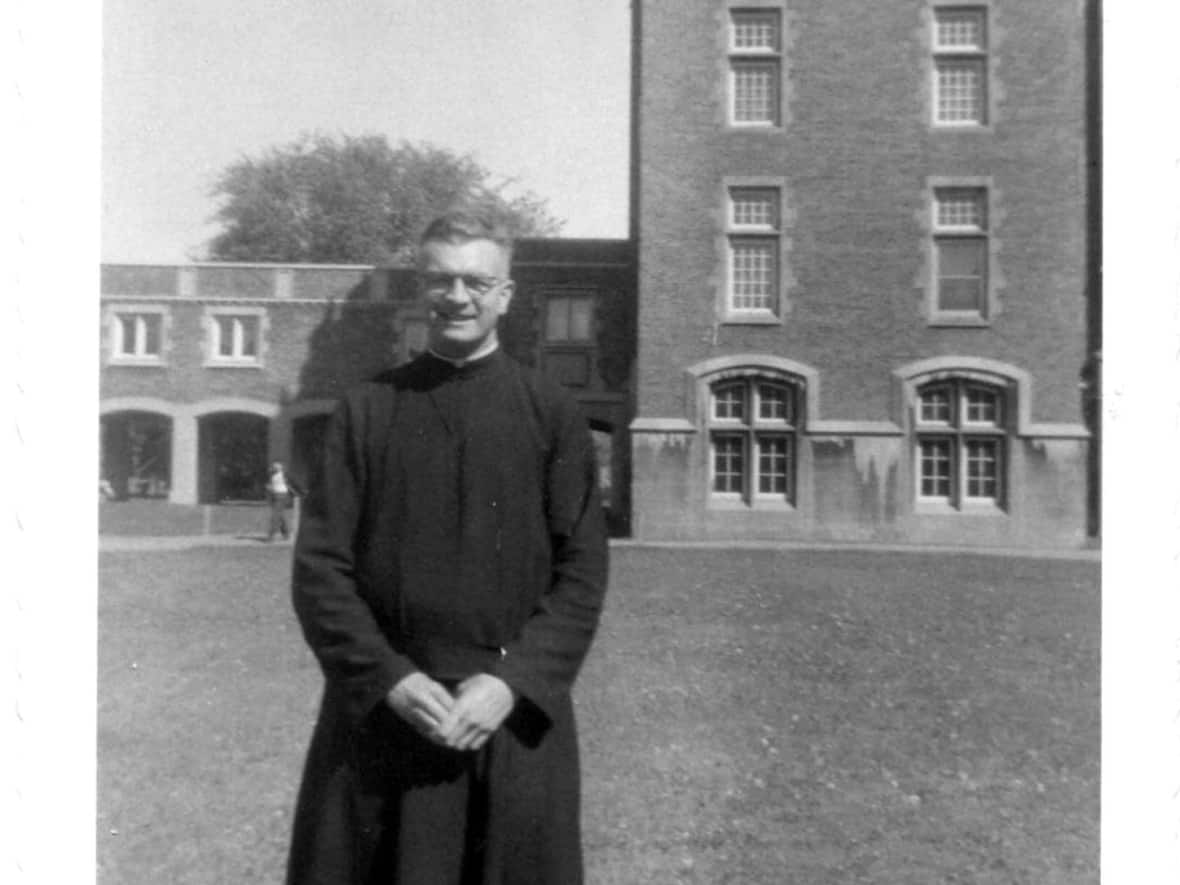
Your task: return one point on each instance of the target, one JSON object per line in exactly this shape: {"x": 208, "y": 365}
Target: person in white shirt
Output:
{"x": 278, "y": 496}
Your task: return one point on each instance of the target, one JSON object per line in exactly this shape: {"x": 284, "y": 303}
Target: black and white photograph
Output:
{"x": 610, "y": 441}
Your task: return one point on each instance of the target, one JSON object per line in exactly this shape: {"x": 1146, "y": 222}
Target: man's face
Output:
{"x": 467, "y": 287}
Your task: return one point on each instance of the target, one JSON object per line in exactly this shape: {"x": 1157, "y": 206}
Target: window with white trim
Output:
{"x": 961, "y": 444}
{"x": 137, "y": 336}
{"x": 754, "y": 231}
{"x": 569, "y": 318}
{"x": 235, "y": 337}
{"x": 960, "y": 66}
{"x": 753, "y": 440}
{"x": 569, "y": 337}
{"x": 755, "y": 67}
{"x": 960, "y": 229}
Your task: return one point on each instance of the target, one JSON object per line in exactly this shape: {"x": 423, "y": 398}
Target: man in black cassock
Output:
{"x": 449, "y": 573}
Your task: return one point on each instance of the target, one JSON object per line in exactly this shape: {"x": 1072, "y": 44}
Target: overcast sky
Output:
{"x": 537, "y": 90}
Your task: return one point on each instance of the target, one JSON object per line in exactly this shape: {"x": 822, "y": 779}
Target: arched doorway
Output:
{"x": 612, "y": 481}
{"x": 602, "y": 436}
{"x": 232, "y": 457}
{"x": 136, "y": 453}
{"x": 307, "y": 448}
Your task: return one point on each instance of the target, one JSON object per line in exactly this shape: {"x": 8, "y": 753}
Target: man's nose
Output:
{"x": 457, "y": 290}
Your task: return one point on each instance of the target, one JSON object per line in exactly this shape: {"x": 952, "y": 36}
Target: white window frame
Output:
{"x": 587, "y": 347}
{"x": 979, "y": 233}
{"x": 753, "y": 429}
{"x": 973, "y": 56}
{"x": 139, "y": 355}
{"x": 769, "y": 58}
{"x": 769, "y": 235}
{"x": 214, "y": 357}
{"x": 958, "y": 431}
{"x": 551, "y": 298}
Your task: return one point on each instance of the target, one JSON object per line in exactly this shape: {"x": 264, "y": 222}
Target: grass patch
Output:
{"x": 747, "y": 717}
{"x": 154, "y": 518}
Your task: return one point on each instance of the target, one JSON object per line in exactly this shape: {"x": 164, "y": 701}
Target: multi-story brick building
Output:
{"x": 858, "y": 301}
{"x": 863, "y": 277}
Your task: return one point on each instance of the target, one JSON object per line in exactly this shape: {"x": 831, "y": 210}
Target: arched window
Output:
{"x": 961, "y": 451}
{"x": 753, "y": 429}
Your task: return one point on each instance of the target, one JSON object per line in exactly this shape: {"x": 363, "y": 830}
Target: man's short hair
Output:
{"x": 459, "y": 226}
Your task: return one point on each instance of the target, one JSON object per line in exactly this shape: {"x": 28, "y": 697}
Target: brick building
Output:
{"x": 863, "y": 270}
{"x": 210, "y": 371}
{"x": 859, "y": 300}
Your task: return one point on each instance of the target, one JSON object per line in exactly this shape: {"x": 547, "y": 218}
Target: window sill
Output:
{"x": 961, "y": 127}
{"x": 232, "y": 364}
{"x": 959, "y": 322}
{"x": 762, "y": 318}
{"x": 972, "y": 508}
{"x": 759, "y": 504}
{"x": 137, "y": 362}
{"x": 761, "y": 128}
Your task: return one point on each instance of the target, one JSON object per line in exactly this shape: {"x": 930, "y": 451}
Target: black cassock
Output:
{"x": 455, "y": 529}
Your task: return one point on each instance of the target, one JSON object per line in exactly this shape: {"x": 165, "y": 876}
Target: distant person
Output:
{"x": 279, "y": 492}
{"x": 449, "y": 573}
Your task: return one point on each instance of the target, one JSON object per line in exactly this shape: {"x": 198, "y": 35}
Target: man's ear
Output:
{"x": 506, "y": 293}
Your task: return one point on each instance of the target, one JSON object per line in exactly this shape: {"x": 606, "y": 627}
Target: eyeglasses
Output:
{"x": 437, "y": 285}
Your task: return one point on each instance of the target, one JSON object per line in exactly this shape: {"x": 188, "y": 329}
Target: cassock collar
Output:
{"x": 465, "y": 361}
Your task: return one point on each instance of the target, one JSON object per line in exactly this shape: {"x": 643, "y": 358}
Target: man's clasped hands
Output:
{"x": 462, "y": 721}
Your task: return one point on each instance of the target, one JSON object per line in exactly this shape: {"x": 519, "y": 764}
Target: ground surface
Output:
{"x": 747, "y": 717}
{"x": 144, "y": 517}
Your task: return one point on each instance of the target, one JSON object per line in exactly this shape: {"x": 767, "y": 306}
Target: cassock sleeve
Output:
{"x": 542, "y": 663}
{"x": 354, "y": 654}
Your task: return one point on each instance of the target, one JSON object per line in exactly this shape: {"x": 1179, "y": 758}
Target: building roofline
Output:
{"x": 536, "y": 251}
{"x": 270, "y": 265}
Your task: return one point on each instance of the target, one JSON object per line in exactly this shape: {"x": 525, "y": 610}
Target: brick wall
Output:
{"x": 856, "y": 152}
{"x": 310, "y": 348}
{"x": 857, "y": 156}
{"x": 324, "y": 329}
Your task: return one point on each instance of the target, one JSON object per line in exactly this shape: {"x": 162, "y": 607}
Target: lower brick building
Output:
{"x": 211, "y": 371}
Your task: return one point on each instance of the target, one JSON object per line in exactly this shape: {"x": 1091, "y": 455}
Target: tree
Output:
{"x": 354, "y": 200}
